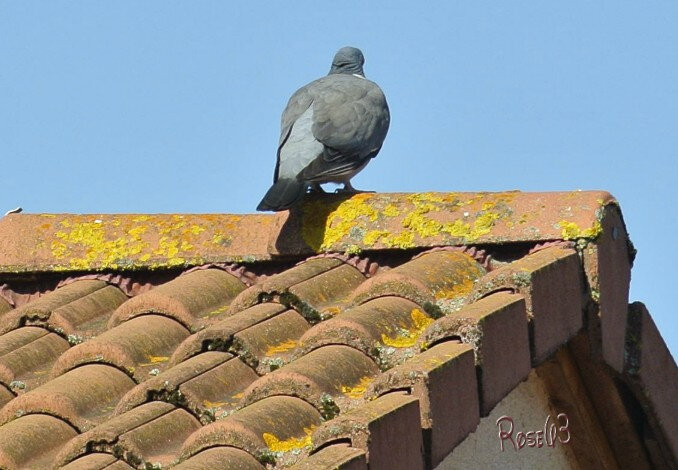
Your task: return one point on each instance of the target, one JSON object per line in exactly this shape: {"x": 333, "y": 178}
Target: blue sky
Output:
{"x": 175, "y": 106}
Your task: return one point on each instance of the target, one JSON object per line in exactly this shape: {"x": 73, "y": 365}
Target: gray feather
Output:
{"x": 330, "y": 128}
{"x": 300, "y": 148}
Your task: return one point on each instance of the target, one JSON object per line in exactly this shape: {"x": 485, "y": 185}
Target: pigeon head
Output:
{"x": 348, "y": 60}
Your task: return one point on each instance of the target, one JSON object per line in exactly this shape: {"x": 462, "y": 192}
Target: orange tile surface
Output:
{"x": 283, "y": 362}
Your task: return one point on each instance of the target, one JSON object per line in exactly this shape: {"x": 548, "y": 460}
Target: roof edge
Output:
{"x": 33, "y": 243}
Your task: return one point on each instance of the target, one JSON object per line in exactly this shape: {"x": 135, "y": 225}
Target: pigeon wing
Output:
{"x": 299, "y": 103}
{"x": 350, "y": 118}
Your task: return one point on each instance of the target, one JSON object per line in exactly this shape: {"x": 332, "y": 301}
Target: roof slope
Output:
{"x": 316, "y": 339}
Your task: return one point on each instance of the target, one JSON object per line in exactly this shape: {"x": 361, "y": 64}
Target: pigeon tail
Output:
{"x": 282, "y": 195}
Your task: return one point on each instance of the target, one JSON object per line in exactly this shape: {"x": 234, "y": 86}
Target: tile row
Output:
{"x": 204, "y": 364}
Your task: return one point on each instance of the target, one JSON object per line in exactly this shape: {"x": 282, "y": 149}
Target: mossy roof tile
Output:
{"x": 264, "y": 340}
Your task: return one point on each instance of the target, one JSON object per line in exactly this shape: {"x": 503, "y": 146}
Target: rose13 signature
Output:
{"x": 553, "y": 430}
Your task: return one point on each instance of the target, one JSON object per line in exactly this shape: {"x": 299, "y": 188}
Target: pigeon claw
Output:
{"x": 349, "y": 189}
{"x": 316, "y": 188}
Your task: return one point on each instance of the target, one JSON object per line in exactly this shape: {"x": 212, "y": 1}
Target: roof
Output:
{"x": 344, "y": 333}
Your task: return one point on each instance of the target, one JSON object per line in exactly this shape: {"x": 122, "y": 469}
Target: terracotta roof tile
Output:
{"x": 140, "y": 346}
{"x": 18, "y": 440}
{"x": 265, "y": 429}
{"x": 375, "y": 426}
{"x": 4, "y": 307}
{"x": 106, "y": 434}
{"x": 83, "y": 397}
{"x": 26, "y": 356}
{"x": 652, "y": 374}
{"x": 552, "y": 282}
{"x": 489, "y": 325}
{"x": 332, "y": 280}
{"x": 385, "y": 328}
{"x": 38, "y": 311}
{"x": 207, "y": 384}
{"x": 226, "y": 458}
{"x": 269, "y": 343}
{"x": 432, "y": 280}
{"x": 433, "y": 377}
{"x": 5, "y": 395}
{"x": 188, "y": 298}
{"x": 337, "y": 456}
{"x": 87, "y": 316}
{"x": 328, "y": 378}
{"x": 312, "y": 358}
{"x": 152, "y": 433}
{"x": 97, "y": 461}
{"x": 219, "y": 335}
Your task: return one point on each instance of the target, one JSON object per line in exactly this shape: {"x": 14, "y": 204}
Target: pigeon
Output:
{"x": 330, "y": 130}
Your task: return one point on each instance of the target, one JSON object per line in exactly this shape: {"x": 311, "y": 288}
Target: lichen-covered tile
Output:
{"x": 651, "y": 371}
{"x": 84, "y": 396}
{"x": 157, "y": 443}
{"x": 374, "y": 427}
{"x": 26, "y": 356}
{"x": 437, "y": 281}
{"x": 219, "y": 335}
{"x": 268, "y": 344}
{"x": 96, "y": 461}
{"x": 315, "y": 288}
{"x": 40, "y": 309}
{"x": 385, "y": 328}
{"x": 88, "y": 315}
{"x": 141, "y": 346}
{"x": 331, "y": 378}
{"x": 488, "y": 325}
{"x": 269, "y": 429}
{"x": 607, "y": 261}
{"x": 208, "y": 384}
{"x": 335, "y": 457}
{"x": 443, "y": 378}
{"x": 5, "y": 395}
{"x": 31, "y": 442}
{"x": 223, "y": 458}
{"x": 552, "y": 282}
{"x": 322, "y": 296}
{"x": 4, "y": 307}
{"x": 103, "y": 437}
{"x": 191, "y": 299}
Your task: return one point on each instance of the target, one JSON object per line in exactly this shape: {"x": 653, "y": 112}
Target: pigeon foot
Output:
{"x": 316, "y": 188}
{"x": 349, "y": 189}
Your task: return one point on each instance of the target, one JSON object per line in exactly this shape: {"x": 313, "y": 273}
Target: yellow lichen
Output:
{"x": 281, "y": 347}
{"x": 218, "y": 311}
{"x": 407, "y": 337}
{"x": 357, "y": 222}
{"x": 373, "y": 236}
{"x": 391, "y": 211}
{"x": 325, "y": 225}
{"x": 460, "y": 289}
{"x": 293, "y": 443}
{"x": 358, "y": 390}
{"x": 152, "y": 360}
{"x": 572, "y": 231}
{"x": 83, "y": 242}
{"x": 213, "y": 404}
{"x": 157, "y": 359}
{"x": 333, "y": 310}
